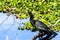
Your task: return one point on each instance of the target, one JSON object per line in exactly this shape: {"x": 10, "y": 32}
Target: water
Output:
{"x": 16, "y": 35}
{"x": 9, "y": 32}
{"x": 20, "y": 35}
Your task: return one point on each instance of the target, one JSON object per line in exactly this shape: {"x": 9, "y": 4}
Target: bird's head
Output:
{"x": 29, "y": 12}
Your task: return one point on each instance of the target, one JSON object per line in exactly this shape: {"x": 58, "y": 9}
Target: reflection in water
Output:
{"x": 17, "y": 36}
{"x": 7, "y": 37}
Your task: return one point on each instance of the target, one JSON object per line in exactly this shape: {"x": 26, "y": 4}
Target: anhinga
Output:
{"x": 41, "y": 27}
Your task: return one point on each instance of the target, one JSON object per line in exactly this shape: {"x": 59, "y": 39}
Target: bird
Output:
{"x": 40, "y": 26}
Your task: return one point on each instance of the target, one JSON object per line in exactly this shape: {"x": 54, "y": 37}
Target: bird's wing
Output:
{"x": 41, "y": 26}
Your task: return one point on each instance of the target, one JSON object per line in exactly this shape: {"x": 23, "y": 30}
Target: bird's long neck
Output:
{"x": 31, "y": 15}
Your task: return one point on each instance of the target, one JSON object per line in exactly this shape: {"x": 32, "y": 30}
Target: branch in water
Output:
{"x": 12, "y": 24}
{"x": 37, "y": 36}
{"x": 4, "y": 20}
